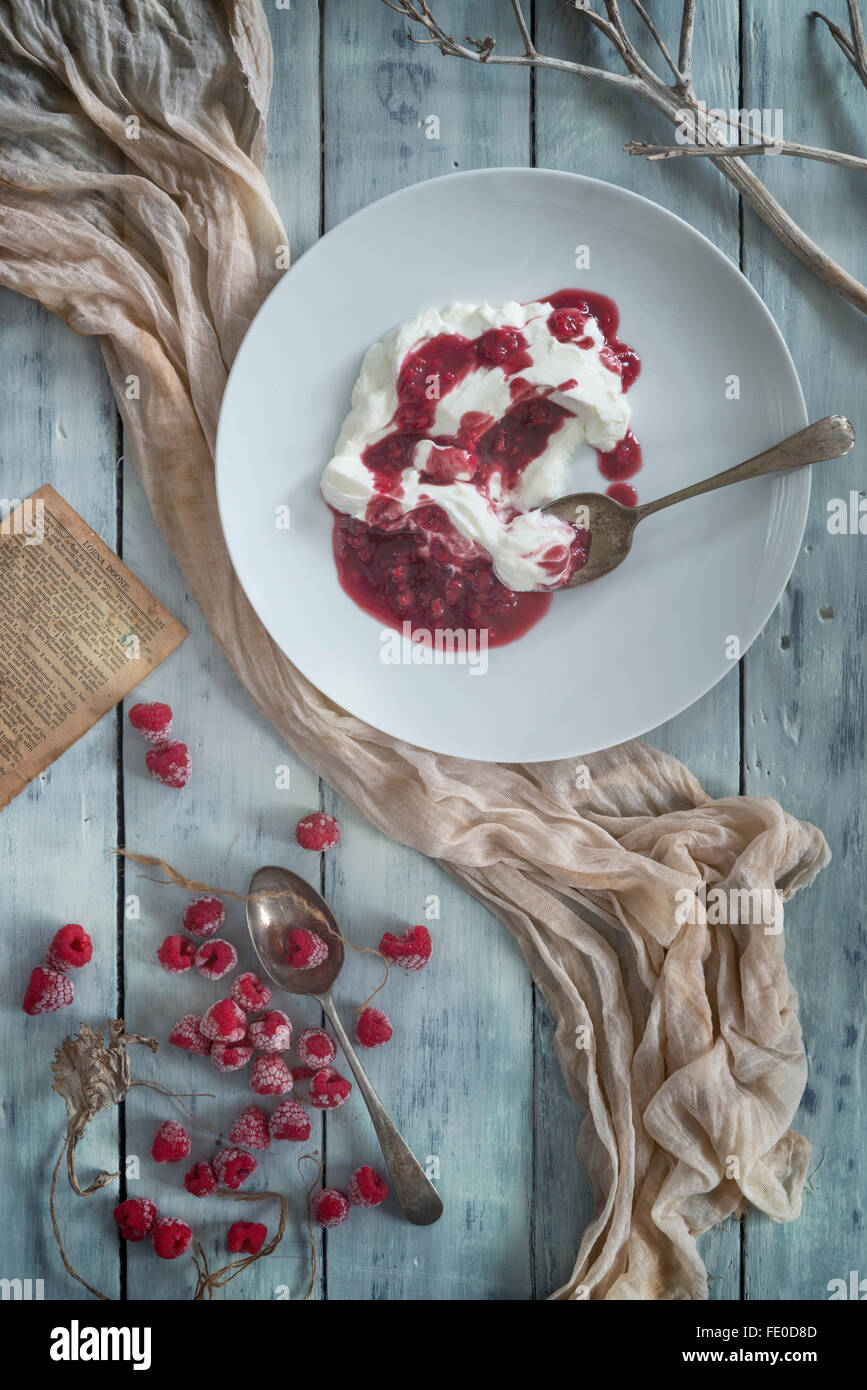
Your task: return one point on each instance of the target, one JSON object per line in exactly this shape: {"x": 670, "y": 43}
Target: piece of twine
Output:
{"x": 308, "y": 1192}
{"x": 174, "y": 878}
{"x": 208, "y": 1282}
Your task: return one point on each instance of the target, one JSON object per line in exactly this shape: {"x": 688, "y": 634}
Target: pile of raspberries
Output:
{"x": 240, "y": 1030}
{"x": 50, "y": 987}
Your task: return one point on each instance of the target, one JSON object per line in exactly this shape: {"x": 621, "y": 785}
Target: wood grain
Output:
{"x": 57, "y": 425}
{"x": 805, "y": 682}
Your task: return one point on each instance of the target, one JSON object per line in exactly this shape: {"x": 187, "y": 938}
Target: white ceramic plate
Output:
{"x": 610, "y": 661}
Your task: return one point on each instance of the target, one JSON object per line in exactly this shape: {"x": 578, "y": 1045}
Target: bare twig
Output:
{"x": 855, "y": 48}
{"x": 684, "y": 57}
{"x": 525, "y": 32}
{"x": 677, "y": 101}
{"x": 788, "y": 147}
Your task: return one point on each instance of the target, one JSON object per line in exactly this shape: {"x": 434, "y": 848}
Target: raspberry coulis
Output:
{"x": 416, "y": 567}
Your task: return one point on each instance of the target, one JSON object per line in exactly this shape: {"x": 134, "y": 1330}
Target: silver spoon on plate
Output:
{"x": 612, "y": 525}
{"x": 279, "y": 902}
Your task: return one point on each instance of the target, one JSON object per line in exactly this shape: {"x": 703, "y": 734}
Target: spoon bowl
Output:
{"x": 282, "y": 903}
{"x": 278, "y": 902}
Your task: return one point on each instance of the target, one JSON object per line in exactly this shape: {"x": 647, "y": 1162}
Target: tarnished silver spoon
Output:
{"x": 270, "y": 918}
{"x": 612, "y": 525}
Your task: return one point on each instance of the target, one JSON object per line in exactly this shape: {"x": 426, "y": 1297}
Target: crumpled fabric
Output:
{"x": 133, "y": 203}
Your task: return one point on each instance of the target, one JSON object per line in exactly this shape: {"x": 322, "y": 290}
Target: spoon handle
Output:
{"x": 826, "y": 439}
{"x": 413, "y": 1188}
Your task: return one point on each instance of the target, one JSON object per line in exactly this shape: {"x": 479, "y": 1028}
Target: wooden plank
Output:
{"x": 458, "y": 1073}
{"x": 236, "y": 813}
{"x": 582, "y": 127}
{"x": 57, "y": 425}
{"x": 805, "y": 678}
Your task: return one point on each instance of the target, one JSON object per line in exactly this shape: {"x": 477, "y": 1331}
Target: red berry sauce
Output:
{"x": 417, "y": 568}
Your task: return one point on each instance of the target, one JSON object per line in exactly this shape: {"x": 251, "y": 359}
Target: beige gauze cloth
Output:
{"x": 132, "y": 203}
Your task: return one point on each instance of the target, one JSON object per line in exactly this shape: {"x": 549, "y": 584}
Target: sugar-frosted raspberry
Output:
{"x": 315, "y": 1048}
{"x": 170, "y": 763}
{"x": 250, "y": 1129}
{"x": 47, "y": 991}
{"x": 412, "y": 951}
{"x": 372, "y": 1028}
{"x": 224, "y": 1022}
{"x": 330, "y": 1207}
{"x": 176, "y": 953}
{"x": 216, "y": 958}
{"x": 204, "y": 916}
{"x": 230, "y": 1056}
{"x": 70, "y": 948}
{"x": 186, "y": 1034}
{"x": 153, "y": 721}
{"x": 171, "y": 1237}
{"x": 303, "y": 1073}
{"x": 317, "y": 831}
{"x": 135, "y": 1217}
{"x": 290, "y": 1121}
{"x": 233, "y": 1167}
{"x": 270, "y": 1076}
{"x": 272, "y": 1033}
{"x": 366, "y": 1188}
{"x": 171, "y": 1143}
{"x": 329, "y": 1089}
{"x": 249, "y": 993}
{"x": 304, "y": 949}
{"x": 201, "y": 1180}
{"x": 246, "y": 1237}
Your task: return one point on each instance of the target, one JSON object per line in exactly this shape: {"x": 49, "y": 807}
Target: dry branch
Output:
{"x": 677, "y": 102}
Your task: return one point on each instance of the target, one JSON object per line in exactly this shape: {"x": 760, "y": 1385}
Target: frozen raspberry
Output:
{"x": 153, "y": 721}
{"x": 251, "y": 1129}
{"x": 412, "y": 951}
{"x": 135, "y": 1217}
{"x": 304, "y": 949}
{"x": 171, "y": 1143}
{"x": 303, "y": 1073}
{"x": 315, "y": 1048}
{"x": 201, "y": 1180}
{"x": 317, "y": 832}
{"x": 177, "y": 954}
{"x": 70, "y": 948}
{"x": 329, "y": 1207}
{"x": 215, "y": 959}
{"x": 204, "y": 915}
{"x": 272, "y": 1033}
{"x": 171, "y": 1237}
{"x": 329, "y": 1089}
{"x": 170, "y": 764}
{"x": 290, "y": 1121}
{"x": 250, "y": 994}
{"x": 270, "y": 1076}
{"x": 224, "y": 1022}
{"x": 230, "y": 1056}
{"x": 186, "y": 1034}
{"x": 233, "y": 1167}
{"x": 366, "y": 1188}
{"x": 372, "y": 1028}
{"x": 246, "y": 1237}
{"x": 48, "y": 991}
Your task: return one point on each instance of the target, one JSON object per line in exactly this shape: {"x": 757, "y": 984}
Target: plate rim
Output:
{"x": 496, "y": 173}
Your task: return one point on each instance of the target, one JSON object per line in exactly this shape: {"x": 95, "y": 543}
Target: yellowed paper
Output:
{"x": 78, "y": 631}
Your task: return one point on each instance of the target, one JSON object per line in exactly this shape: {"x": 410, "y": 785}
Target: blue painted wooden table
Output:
{"x": 472, "y": 1080}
